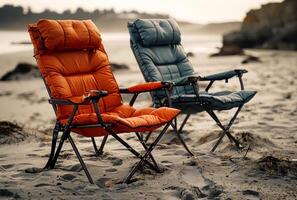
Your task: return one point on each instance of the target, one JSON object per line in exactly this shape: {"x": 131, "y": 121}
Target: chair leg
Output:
{"x": 53, "y": 147}
{"x": 100, "y": 151}
{"x": 82, "y": 163}
{"x": 219, "y": 141}
{"x": 52, "y": 152}
{"x": 144, "y": 157}
{"x": 59, "y": 148}
{"x": 146, "y": 148}
{"x": 147, "y": 137}
{"x": 225, "y": 129}
{"x": 97, "y": 154}
{"x": 180, "y": 137}
{"x": 103, "y": 144}
{"x": 129, "y": 148}
{"x": 184, "y": 123}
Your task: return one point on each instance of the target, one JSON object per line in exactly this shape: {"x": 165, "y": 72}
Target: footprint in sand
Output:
{"x": 43, "y": 185}
{"x": 111, "y": 170}
{"x": 68, "y": 177}
{"x": 8, "y": 166}
{"x": 193, "y": 176}
{"x": 180, "y": 153}
{"x": 10, "y": 194}
{"x": 251, "y": 194}
{"x": 73, "y": 168}
{"x": 32, "y": 155}
{"x": 166, "y": 163}
{"x": 193, "y": 193}
{"x": 116, "y": 161}
{"x": 101, "y": 182}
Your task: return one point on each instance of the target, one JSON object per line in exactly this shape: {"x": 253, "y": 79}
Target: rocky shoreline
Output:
{"x": 273, "y": 26}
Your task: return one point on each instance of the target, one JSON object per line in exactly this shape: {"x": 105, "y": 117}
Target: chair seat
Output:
{"x": 124, "y": 118}
{"x": 223, "y": 100}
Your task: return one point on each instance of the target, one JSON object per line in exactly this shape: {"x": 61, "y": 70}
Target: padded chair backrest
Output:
{"x": 72, "y": 61}
{"x": 156, "y": 44}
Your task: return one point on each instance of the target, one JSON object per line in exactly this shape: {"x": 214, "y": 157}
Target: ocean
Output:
{"x": 10, "y": 41}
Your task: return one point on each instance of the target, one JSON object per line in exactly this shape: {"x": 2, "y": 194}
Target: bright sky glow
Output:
{"x": 199, "y": 11}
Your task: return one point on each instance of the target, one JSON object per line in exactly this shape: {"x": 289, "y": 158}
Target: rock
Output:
{"x": 273, "y": 26}
{"x": 11, "y": 133}
{"x": 118, "y": 66}
{"x": 25, "y": 42}
{"x": 229, "y": 50}
{"x": 190, "y": 54}
{"x": 32, "y": 97}
{"x": 251, "y": 59}
{"x": 23, "y": 71}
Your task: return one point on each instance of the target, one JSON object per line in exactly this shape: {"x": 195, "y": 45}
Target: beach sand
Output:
{"x": 267, "y": 124}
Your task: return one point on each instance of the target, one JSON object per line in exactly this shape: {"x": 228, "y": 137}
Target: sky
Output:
{"x": 197, "y": 11}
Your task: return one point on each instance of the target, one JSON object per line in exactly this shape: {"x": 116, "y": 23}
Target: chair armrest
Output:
{"x": 224, "y": 75}
{"x": 186, "y": 80}
{"x": 146, "y": 87}
{"x": 60, "y": 101}
{"x": 92, "y": 95}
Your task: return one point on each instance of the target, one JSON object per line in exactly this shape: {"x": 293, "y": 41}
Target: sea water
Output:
{"x": 12, "y": 41}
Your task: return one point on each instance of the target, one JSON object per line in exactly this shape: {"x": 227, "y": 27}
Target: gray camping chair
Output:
{"x": 156, "y": 44}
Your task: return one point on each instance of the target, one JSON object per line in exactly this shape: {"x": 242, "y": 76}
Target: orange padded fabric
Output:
{"x": 69, "y": 34}
{"x": 35, "y": 38}
{"x": 126, "y": 119}
{"x": 73, "y": 67}
{"x": 146, "y": 87}
{"x": 70, "y": 73}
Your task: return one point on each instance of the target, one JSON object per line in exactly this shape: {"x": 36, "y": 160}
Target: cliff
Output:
{"x": 273, "y": 26}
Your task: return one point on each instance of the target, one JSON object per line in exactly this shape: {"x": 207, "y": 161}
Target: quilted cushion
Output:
{"x": 159, "y": 62}
{"x": 71, "y": 73}
{"x": 223, "y": 100}
{"x": 125, "y": 118}
{"x": 69, "y": 34}
{"x": 157, "y": 31}
{"x": 69, "y": 70}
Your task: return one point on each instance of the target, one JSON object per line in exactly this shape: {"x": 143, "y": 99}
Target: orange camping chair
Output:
{"x": 85, "y": 94}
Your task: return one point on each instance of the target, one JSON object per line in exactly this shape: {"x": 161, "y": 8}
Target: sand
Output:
{"x": 267, "y": 125}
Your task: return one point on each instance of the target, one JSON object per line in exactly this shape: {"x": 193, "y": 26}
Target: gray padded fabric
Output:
{"x": 157, "y": 32}
{"x": 223, "y": 100}
{"x": 224, "y": 75}
{"x": 160, "y": 63}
